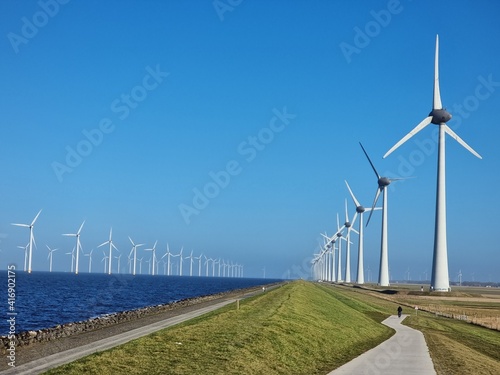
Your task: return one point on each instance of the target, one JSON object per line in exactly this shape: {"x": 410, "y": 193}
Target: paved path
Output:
{"x": 405, "y": 353}
{"x": 58, "y": 359}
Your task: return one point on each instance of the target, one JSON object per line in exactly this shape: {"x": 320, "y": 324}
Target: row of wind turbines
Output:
{"x": 219, "y": 267}
{"x": 323, "y": 263}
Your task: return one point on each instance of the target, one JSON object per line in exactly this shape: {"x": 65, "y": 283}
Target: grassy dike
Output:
{"x": 298, "y": 328}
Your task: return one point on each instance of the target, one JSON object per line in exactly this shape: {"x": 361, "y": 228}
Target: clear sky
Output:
{"x": 124, "y": 113}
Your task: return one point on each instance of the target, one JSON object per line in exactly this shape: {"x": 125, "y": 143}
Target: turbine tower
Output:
{"x": 32, "y": 238}
{"x": 360, "y": 278}
{"x": 383, "y": 182}
{"x": 50, "y": 257}
{"x": 78, "y": 245}
{"x": 134, "y": 250}
{"x": 438, "y": 116}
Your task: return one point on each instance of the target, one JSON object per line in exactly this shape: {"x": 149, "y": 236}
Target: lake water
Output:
{"x": 44, "y": 299}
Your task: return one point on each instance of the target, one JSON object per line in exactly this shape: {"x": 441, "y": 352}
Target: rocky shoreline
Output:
{"x": 27, "y": 338}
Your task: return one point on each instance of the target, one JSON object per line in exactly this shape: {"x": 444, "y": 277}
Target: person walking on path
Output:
{"x": 400, "y": 310}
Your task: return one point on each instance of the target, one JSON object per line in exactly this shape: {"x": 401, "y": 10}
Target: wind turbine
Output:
{"x": 348, "y": 224}
{"x": 25, "y": 248}
{"x": 168, "y": 254}
{"x": 140, "y": 265}
{"x": 153, "y": 262}
{"x": 78, "y": 245}
{"x": 111, "y": 247}
{"x": 50, "y": 257}
{"x": 104, "y": 260}
{"x": 383, "y": 182}
{"x": 438, "y": 116}
{"x": 360, "y": 278}
{"x": 191, "y": 263}
{"x": 32, "y": 238}
{"x": 72, "y": 258}
{"x": 90, "y": 259}
{"x": 199, "y": 264}
{"x": 134, "y": 250}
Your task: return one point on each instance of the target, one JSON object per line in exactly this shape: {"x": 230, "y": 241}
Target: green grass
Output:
{"x": 299, "y": 328}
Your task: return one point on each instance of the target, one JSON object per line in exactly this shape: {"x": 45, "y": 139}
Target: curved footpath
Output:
{"x": 404, "y": 353}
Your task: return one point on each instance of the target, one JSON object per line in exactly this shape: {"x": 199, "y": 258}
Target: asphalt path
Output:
{"x": 406, "y": 353}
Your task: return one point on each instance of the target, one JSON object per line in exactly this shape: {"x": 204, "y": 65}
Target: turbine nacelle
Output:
{"x": 383, "y": 182}
{"x": 440, "y": 116}
{"x": 360, "y": 209}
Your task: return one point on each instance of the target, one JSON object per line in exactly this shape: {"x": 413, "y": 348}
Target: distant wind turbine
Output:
{"x": 134, "y": 251}
{"x": 190, "y": 263}
{"x": 90, "y": 259}
{"x": 360, "y": 278}
{"x": 32, "y": 238}
{"x": 78, "y": 245}
{"x": 51, "y": 251}
{"x": 111, "y": 247}
{"x": 25, "y": 248}
{"x": 153, "y": 262}
{"x": 348, "y": 224}
{"x": 438, "y": 116}
{"x": 168, "y": 255}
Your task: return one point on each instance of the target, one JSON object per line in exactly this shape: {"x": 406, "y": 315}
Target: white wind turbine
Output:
{"x": 25, "y": 248}
{"x": 348, "y": 224}
{"x": 111, "y": 247}
{"x": 199, "y": 264}
{"x": 438, "y": 116}
{"x": 78, "y": 245}
{"x": 190, "y": 263}
{"x": 153, "y": 262}
{"x": 207, "y": 260}
{"x": 90, "y": 259}
{"x": 104, "y": 260}
{"x": 72, "y": 258}
{"x": 140, "y": 265}
{"x": 134, "y": 250}
{"x": 360, "y": 279}
{"x": 383, "y": 183}
{"x": 51, "y": 251}
{"x": 32, "y": 238}
{"x": 118, "y": 257}
{"x": 180, "y": 261}
{"x": 168, "y": 254}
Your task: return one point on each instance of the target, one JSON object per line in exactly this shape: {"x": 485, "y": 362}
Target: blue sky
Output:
{"x": 118, "y": 112}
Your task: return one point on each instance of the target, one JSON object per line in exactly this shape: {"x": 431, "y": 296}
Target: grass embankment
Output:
{"x": 299, "y": 328}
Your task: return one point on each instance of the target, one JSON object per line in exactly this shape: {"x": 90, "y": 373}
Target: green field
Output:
{"x": 298, "y": 328}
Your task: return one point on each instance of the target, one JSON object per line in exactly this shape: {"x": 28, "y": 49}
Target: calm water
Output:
{"x": 45, "y": 299}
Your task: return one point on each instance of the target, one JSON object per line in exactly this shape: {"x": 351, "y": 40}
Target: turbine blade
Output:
{"x": 426, "y": 121}
{"x": 36, "y": 217}
{"x": 21, "y": 225}
{"x": 436, "y": 102}
{"x": 81, "y": 226}
{"x": 352, "y": 195}
{"x": 354, "y": 220}
{"x": 104, "y": 243}
{"x": 373, "y": 206}
{"x": 133, "y": 244}
{"x": 346, "y": 214}
{"x": 376, "y": 173}
{"x": 455, "y": 136}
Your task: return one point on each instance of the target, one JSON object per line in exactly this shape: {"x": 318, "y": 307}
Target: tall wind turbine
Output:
{"x": 438, "y": 116}
{"x": 134, "y": 250}
{"x": 50, "y": 257}
{"x": 25, "y": 248}
{"x": 383, "y": 182}
{"x": 168, "y": 254}
{"x": 153, "y": 261}
{"x": 78, "y": 245}
{"x": 360, "y": 278}
{"x": 111, "y": 247}
{"x": 190, "y": 257}
{"x": 90, "y": 259}
{"x": 32, "y": 238}
{"x": 348, "y": 224}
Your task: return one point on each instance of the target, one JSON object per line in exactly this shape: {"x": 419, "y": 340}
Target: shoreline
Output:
{"x": 32, "y": 345}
